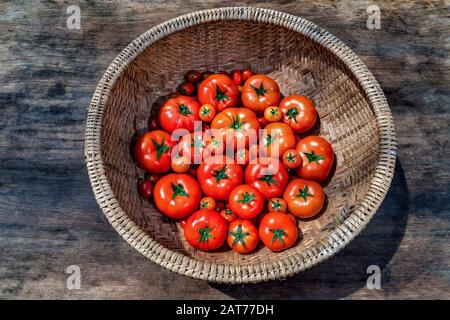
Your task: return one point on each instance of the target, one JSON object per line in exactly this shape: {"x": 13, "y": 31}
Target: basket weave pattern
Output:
{"x": 302, "y": 58}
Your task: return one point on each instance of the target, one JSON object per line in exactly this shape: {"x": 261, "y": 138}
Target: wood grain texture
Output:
{"x": 49, "y": 218}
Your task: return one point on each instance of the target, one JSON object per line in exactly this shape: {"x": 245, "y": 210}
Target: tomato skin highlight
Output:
{"x": 305, "y": 199}
{"x": 218, "y": 176}
{"x": 246, "y": 74}
{"x": 277, "y": 231}
{"x": 152, "y": 151}
{"x": 318, "y": 158}
{"x": 243, "y": 236}
{"x": 246, "y": 201}
{"x": 259, "y": 93}
{"x": 218, "y": 90}
{"x": 206, "y": 230}
{"x": 179, "y": 113}
{"x": 298, "y": 112}
{"x": 193, "y": 76}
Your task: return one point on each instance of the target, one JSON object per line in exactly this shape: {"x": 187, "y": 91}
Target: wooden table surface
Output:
{"x": 49, "y": 218}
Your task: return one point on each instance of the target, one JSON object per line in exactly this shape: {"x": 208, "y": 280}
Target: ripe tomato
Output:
{"x": 263, "y": 122}
{"x": 193, "y": 76}
{"x": 207, "y": 112}
{"x": 186, "y": 88}
{"x": 298, "y": 112}
{"x": 290, "y": 216}
{"x": 246, "y": 74}
{"x": 242, "y": 157}
{"x": 206, "y": 230}
{"x": 218, "y": 90}
{"x": 304, "y": 198}
{"x": 152, "y": 151}
{"x": 292, "y": 159}
{"x": 219, "y": 206}
{"x": 153, "y": 123}
{"x": 145, "y": 188}
{"x": 278, "y": 137}
{"x": 177, "y": 195}
{"x": 236, "y": 76}
{"x": 228, "y": 215}
{"x": 277, "y": 231}
{"x": 268, "y": 176}
{"x": 243, "y": 236}
{"x": 153, "y": 178}
{"x": 246, "y": 201}
{"x": 197, "y": 146}
{"x": 318, "y": 157}
{"x": 272, "y": 114}
{"x": 207, "y": 203}
{"x": 179, "y": 113}
{"x": 276, "y": 205}
{"x": 259, "y": 93}
{"x": 180, "y": 164}
{"x": 236, "y": 126}
{"x": 218, "y": 176}
{"x": 206, "y": 74}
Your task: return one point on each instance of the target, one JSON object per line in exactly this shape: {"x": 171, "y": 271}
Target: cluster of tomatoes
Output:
{"x": 255, "y": 193}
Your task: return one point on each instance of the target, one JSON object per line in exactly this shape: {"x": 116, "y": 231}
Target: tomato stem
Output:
{"x": 239, "y": 236}
{"x": 160, "y": 148}
{"x": 220, "y": 174}
{"x": 268, "y": 178}
{"x": 247, "y": 198}
{"x": 178, "y": 190}
{"x": 304, "y": 193}
{"x": 184, "y": 110}
{"x": 259, "y": 91}
{"x": 292, "y": 114}
{"x": 276, "y": 204}
{"x": 278, "y": 234}
{"x": 312, "y": 157}
{"x": 205, "y": 233}
{"x": 221, "y": 95}
{"x": 237, "y": 125}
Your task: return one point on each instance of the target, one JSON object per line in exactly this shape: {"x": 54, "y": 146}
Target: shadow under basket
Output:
{"x": 303, "y": 58}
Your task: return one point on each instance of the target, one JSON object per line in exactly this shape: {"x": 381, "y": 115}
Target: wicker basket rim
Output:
{"x": 182, "y": 264}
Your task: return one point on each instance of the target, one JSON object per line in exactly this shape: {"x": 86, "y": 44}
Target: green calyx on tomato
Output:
{"x": 206, "y": 111}
{"x": 239, "y": 236}
{"x": 228, "y": 212}
{"x": 268, "y": 178}
{"x": 220, "y": 174}
{"x": 278, "y": 234}
{"x": 204, "y": 204}
{"x": 292, "y": 114}
{"x": 197, "y": 143}
{"x": 276, "y": 204}
{"x": 259, "y": 91}
{"x": 184, "y": 110}
{"x": 237, "y": 125}
{"x": 312, "y": 157}
{"x": 178, "y": 190}
{"x": 247, "y": 198}
{"x": 205, "y": 234}
{"x": 269, "y": 140}
{"x": 160, "y": 148}
{"x": 304, "y": 193}
{"x": 273, "y": 112}
{"x": 291, "y": 157}
{"x": 220, "y": 95}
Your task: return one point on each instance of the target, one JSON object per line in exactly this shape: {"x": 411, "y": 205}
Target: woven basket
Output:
{"x": 303, "y": 58}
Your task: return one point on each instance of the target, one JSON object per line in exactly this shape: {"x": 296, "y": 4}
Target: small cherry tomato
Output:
{"x": 246, "y": 201}
{"x": 207, "y": 112}
{"x": 263, "y": 122}
{"x": 219, "y": 206}
{"x": 277, "y": 231}
{"x": 180, "y": 164}
{"x": 228, "y": 215}
{"x": 292, "y": 159}
{"x": 318, "y": 157}
{"x": 236, "y": 76}
{"x": 272, "y": 114}
{"x": 298, "y": 112}
{"x": 206, "y": 230}
{"x": 246, "y": 74}
{"x": 243, "y": 236}
{"x": 207, "y": 203}
{"x": 276, "y": 205}
{"x": 187, "y": 88}
{"x": 193, "y": 76}
{"x": 145, "y": 188}
{"x": 153, "y": 123}
{"x": 304, "y": 198}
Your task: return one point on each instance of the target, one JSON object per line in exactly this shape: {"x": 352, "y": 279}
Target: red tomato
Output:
{"x": 236, "y": 76}
{"x": 145, "y": 188}
{"x": 152, "y": 151}
{"x": 278, "y": 137}
{"x": 228, "y": 215}
{"x": 218, "y": 176}
{"x": 268, "y": 176}
{"x": 179, "y": 113}
{"x": 277, "y": 231}
{"x": 298, "y": 112}
{"x": 195, "y": 146}
{"x": 177, "y": 195}
{"x": 207, "y": 112}
{"x": 243, "y": 236}
{"x": 292, "y": 159}
{"x": 242, "y": 157}
{"x": 153, "y": 123}
{"x": 263, "y": 122}
{"x": 218, "y": 90}
{"x": 304, "y": 198}
{"x": 207, "y": 203}
{"x": 272, "y": 114}
{"x": 246, "y": 201}
{"x": 277, "y": 205}
{"x": 193, "y": 76}
{"x": 290, "y": 216}
{"x": 246, "y": 74}
{"x": 259, "y": 93}
{"x": 187, "y": 88}
{"x": 236, "y": 126}
{"x": 153, "y": 178}
{"x": 219, "y": 206}
{"x": 180, "y": 164}
{"x": 318, "y": 157}
{"x": 206, "y": 230}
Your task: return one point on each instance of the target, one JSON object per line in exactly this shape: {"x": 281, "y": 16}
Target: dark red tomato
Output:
{"x": 246, "y": 202}
{"x": 145, "y": 188}
{"x": 153, "y": 178}
{"x": 153, "y": 123}
{"x": 263, "y": 121}
{"x": 318, "y": 157}
{"x": 246, "y": 74}
{"x": 268, "y": 175}
{"x": 206, "y": 230}
{"x": 187, "y": 88}
{"x": 206, "y": 74}
{"x": 152, "y": 151}
{"x": 218, "y": 176}
{"x": 177, "y": 195}
{"x": 236, "y": 76}
{"x": 298, "y": 112}
{"x": 219, "y": 206}
{"x": 179, "y": 113}
{"x": 193, "y": 76}
{"x": 218, "y": 90}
